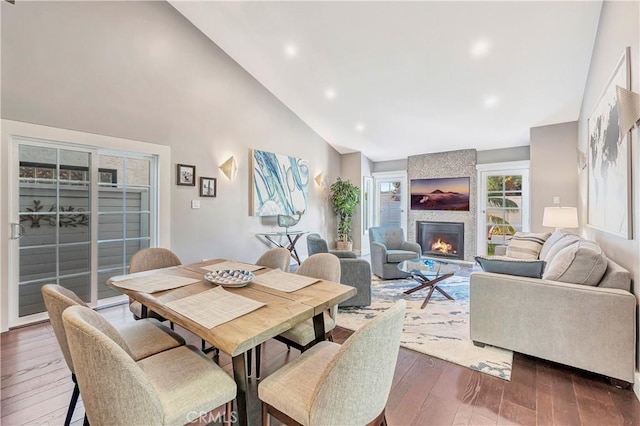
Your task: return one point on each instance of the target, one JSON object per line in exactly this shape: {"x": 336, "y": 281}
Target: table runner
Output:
{"x": 152, "y": 283}
{"x": 229, "y": 264}
{"x": 284, "y": 281}
{"x": 214, "y": 307}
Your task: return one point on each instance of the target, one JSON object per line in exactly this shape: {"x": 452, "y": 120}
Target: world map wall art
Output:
{"x": 280, "y": 184}
{"x": 609, "y": 207}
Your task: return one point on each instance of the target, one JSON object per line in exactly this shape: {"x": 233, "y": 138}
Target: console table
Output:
{"x": 277, "y": 238}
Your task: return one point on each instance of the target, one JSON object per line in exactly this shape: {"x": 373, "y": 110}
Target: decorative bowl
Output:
{"x": 230, "y": 278}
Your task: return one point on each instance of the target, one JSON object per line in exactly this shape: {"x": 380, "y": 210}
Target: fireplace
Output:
{"x": 443, "y": 239}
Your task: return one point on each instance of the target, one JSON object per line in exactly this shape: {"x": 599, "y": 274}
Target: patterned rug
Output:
{"x": 440, "y": 330}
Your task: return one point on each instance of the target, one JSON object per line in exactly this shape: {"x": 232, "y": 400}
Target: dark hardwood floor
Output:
{"x": 36, "y": 387}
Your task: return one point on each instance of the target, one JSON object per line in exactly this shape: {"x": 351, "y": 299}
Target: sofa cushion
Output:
{"x": 532, "y": 268}
{"x": 397, "y": 256}
{"x": 557, "y": 242}
{"x": 526, "y": 245}
{"x": 582, "y": 262}
{"x": 551, "y": 241}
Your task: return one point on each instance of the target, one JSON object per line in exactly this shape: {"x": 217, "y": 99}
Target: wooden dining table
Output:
{"x": 281, "y": 312}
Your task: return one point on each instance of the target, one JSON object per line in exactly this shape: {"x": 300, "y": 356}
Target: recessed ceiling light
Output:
{"x": 290, "y": 50}
{"x": 491, "y": 102}
{"x": 360, "y": 127}
{"x": 480, "y": 47}
{"x": 329, "y": 93}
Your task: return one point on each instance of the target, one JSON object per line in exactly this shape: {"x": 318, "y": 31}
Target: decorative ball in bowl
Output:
{"x": 230, "y": 278}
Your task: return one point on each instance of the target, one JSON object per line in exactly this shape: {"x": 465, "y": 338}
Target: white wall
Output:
{"x": 141, "y": 71}
{"x": 619, "y": 27}
{"x": 554, "y": 169}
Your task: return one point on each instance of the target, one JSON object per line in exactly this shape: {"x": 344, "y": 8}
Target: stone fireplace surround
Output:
{"x": 439, "y": 165}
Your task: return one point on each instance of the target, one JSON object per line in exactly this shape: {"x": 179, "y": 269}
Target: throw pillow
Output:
{"x": 526, "y": 245}
{"x": 505, "y": 265}
{"x": 556, "y": 244}
{"x": 583, "y": 262}
{"x": 551, "y": 241}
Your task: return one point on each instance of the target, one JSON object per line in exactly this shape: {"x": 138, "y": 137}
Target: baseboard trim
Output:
{"x": 636, "y": 384}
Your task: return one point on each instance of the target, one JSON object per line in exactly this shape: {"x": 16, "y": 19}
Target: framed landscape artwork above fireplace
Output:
{"x": 440, "y": 194}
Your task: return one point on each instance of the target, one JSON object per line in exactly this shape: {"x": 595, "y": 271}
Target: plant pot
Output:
{"x": 344, "y": 245}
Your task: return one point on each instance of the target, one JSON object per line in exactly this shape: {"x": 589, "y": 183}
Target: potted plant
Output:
{"x": 345, "y": 197}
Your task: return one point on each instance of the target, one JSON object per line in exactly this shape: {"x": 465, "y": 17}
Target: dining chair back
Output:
{"x": 346, "y": 384}
{"x": 140, "y": 340}
{"x": 357, "y": 383}
{"x": 275, "y": 258}
{"x": 114, "y": 389}
{"x": 324, "y": 266}
{"x": 56, "y": 300}
{"x": 165, "y": 388}
{"x": 146, "y": 260}
{"x": 153, "y": 258}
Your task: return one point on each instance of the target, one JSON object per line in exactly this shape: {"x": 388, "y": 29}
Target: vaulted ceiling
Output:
{"x": 393, "y": 79}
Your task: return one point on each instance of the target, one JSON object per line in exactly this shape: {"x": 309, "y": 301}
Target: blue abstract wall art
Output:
{"x": 280, "y": 184}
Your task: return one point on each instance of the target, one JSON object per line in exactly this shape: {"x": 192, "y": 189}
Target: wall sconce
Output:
{"x": 318, "y": 179}
{"x": 560, "y": 217}
{"x": 230, "y": 168}
{"x": 628, "y": 109}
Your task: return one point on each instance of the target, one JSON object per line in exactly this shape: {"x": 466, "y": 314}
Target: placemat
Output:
{"x": 153, "y": 283}
{"x": 284, "y": 281}
{"x": 214, "y": 307}
{"x": 228, "y": 264}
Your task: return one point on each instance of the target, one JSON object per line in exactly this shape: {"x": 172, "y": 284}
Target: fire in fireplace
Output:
{"x": 445, "y": 239}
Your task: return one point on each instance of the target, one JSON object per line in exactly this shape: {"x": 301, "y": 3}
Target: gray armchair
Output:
{"x": 388, "y": 248}
{"x": 355, "y": 272}
{"x": 316, "y": 244}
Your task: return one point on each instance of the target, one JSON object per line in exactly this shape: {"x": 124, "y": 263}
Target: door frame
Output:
{"x": 400, "y": 175}
{"x": 366, "y": 218}
{"x": 483, "y": 170}
{"x": 11, "y": 130}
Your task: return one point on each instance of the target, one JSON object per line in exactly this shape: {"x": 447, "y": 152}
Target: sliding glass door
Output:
{"x": 80, "y": 215}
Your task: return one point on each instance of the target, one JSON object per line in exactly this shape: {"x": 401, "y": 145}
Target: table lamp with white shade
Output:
{"x": 560, "y": 217}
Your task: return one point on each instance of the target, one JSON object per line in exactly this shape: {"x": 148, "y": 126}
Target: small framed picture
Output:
{"x": 207, "y": 187}
{"x": 186, "y": 175}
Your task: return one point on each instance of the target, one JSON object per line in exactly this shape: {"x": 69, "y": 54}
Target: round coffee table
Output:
{"x": 428, "y": 273}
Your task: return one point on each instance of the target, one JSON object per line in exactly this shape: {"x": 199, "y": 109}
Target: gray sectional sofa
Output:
{"x": 580, "y": 313}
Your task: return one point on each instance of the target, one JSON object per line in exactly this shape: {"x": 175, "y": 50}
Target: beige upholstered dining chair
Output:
{"x": 172, "y": 387}
{"x": 323, "y": 266}
{"x": 146, "y": 260}
{"x": 344, "y": 384}
{"x": 144, "y": 338}
{"x": 275, "y": 258}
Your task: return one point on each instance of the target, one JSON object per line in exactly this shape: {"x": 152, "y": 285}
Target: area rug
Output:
{"x": 440, "y": 330}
